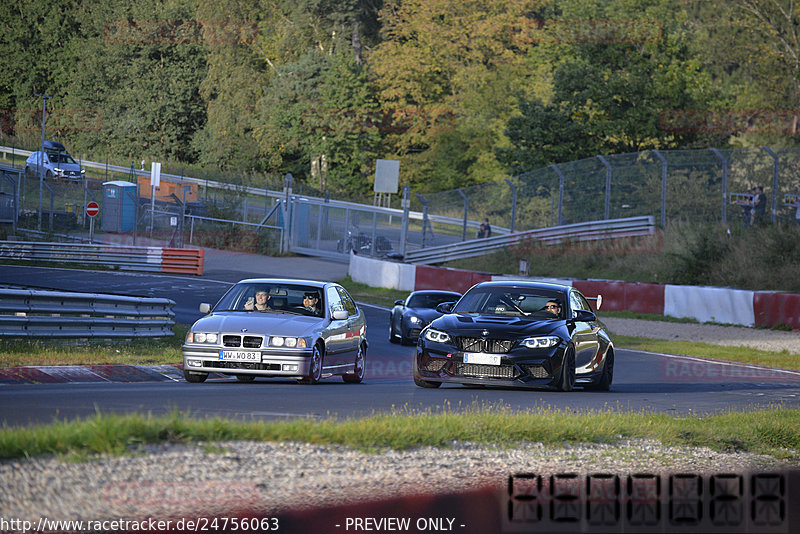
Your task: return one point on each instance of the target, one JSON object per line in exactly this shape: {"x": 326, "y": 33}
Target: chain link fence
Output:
{"x": 689, "y": 185}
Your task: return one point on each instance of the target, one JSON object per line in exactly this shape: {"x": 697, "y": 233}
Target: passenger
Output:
{"x": 261, "y": 302}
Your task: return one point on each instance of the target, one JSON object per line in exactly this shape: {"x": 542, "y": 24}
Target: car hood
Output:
{"x": 66, "y": 166}
{"x": 503, "y": 327}
{"x": 426, "y": 314}
{"x": 281, "y": 324}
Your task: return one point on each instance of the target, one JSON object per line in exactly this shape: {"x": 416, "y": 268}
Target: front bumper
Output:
{"x": 519, "y": 367}
{"x": 290, "y": 363}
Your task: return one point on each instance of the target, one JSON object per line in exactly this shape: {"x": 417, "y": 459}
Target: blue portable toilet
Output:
{"x": 118, "y": 212}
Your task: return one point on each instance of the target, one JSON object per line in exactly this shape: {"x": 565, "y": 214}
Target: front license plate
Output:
{"x": 239, "y": 356}
{"x": 482, "y": 359}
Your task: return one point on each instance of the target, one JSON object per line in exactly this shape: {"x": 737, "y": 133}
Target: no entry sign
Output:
{"x": 92, "y": 209}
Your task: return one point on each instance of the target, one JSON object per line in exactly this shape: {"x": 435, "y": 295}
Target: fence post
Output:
{"x": 724, "y": 184}
{"x": 663, "y": 188}
{"x": 405, "y": 203}
{"x": 513, "y": 203}
{"x": 560, "y": 191}
{"x": 425, "y": 222}
{"x": 466, "y": 210}
{"x": 774, "y": 182}
{"x": 607, "y": 207}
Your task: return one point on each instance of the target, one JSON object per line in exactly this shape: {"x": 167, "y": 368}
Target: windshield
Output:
{"x": 60, "y": 158}
{"x": 430, "y": 300}
{"x": 512, "y": 302}
{"x": 273, "y": 297}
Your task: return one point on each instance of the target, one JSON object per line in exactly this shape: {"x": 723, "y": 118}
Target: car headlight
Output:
{"x": 202, "y": 337}
{"x": 414, "y": 319}
{"x": 436, "y": 335}
{"x": 544, "y": 342}
{"x": 290, "y": 342}
{"x": 57, "y": 169}
{"x": 83, "y": 171}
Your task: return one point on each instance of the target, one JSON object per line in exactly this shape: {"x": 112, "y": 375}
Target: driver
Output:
{"x": 553, "y": 307}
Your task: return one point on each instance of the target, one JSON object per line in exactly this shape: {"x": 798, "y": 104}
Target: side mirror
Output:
{"x": 445, "y": 307}
{"x": 398, "y": 303}
{"x": 340, "y": 315}
{"x": 585, "y": 316}
{"x": 205, "y": 307}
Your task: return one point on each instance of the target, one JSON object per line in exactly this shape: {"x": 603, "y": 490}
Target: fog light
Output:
{"x": 194, "y": 363}
{"x": 289, "y": 367}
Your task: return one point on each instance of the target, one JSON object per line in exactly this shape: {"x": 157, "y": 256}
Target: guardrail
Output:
{"x": 613, "y": 228}
{"x": 150, "y": 259}
{"x": 59, "y": 314}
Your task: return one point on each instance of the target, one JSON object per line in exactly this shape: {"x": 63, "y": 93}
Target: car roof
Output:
{"x": 315, "y": 283}
{"x": 435, "y": 292}
{"x": 525, "y": 284}
{"x": 53, "y": 145}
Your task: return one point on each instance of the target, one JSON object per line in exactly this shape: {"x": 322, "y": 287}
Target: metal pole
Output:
{"x": 405, "y": 203}
{"x": 775, "y": 166}
{"x": 513, "y": 203}
{"x": 607, "y": 207}
{"x": 560, "y": 192}
{"x": 41, "y": 159}
{"x": 663, "y": 188}
{"x": 466, "y": 210}
{"x": 724, "y": 184}
{"x": 424, "y": 217}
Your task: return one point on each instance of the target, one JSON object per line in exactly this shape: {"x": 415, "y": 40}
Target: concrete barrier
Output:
{"x": 705, "y": 304}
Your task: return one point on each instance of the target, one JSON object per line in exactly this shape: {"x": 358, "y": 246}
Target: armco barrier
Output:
{"x": 150, "y": 259}
{"x": 777, "y": 308}
{"x": 60, "y": 314}
{"x": 449, "y": 279}
{"x": 182, "y": 260}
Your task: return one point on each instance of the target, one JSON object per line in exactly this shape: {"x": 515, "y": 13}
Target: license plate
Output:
{"x": 482, "y": 359}
{"x": 239, "y": 356}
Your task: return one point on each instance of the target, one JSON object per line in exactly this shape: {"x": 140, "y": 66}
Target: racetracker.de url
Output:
{"x": 198, "y": 524}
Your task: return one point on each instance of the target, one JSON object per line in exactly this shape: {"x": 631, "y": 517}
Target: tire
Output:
{"x": 566, "y": 379}
{"x": 245, "y": 378}
{"x": 361, "y": 367}
{"x": 425, "y": 384}
{"x": 28, "y": 172}
{"x": 315, "y": 373}
{"x": 48, "y": 175}
{"x": 392, "y": 337}
{"x": 194, "y": 378}
{"x": 607, "y": 377}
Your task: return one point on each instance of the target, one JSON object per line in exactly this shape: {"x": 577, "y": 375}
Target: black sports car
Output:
{"x": 410, "y": 316}
{"x": 516, "y": 334}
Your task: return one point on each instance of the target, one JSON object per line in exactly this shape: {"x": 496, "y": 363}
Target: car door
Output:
{"x": 337, "y": 342}
{"x": 355, "y": 323}
{"x": 585, "y": 335}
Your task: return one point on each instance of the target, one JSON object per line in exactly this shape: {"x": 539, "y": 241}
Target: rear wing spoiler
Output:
{"x": 598, "y": 299}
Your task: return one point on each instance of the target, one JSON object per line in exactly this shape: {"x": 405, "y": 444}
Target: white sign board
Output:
{"x": 155, "y": 174}
{"x": 387, "y": 174}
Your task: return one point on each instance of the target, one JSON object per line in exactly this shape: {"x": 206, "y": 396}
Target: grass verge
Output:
{"x": 373, "y": 295}
{"x": 153, "y": 351}
{"x": 773, "y": 432}
{"x": 782, "y": 360}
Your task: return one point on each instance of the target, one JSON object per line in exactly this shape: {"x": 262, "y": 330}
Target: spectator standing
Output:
{"x": 759, "y": 206}
{"x": 747, "y": 205}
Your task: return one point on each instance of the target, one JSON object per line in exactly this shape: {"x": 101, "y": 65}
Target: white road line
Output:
{"x": 718, "y": 362}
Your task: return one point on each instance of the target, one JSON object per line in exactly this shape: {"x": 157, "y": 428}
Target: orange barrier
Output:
{"x": 182, "y": 260}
